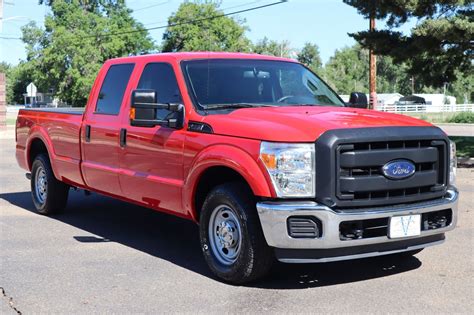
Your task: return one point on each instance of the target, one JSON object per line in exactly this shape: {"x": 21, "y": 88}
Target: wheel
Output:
{"x": 231, "y": 236}
{"x": 49, "y": 195}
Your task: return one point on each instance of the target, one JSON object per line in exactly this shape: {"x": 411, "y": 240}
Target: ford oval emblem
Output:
{"x": 398, "y": 169}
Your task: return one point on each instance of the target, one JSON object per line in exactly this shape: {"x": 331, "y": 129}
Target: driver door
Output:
{"x": 152, "y": 157}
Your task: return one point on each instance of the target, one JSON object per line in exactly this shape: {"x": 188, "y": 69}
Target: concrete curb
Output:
{"x": 454, "y": 125}
{"x": 457, "y": 130}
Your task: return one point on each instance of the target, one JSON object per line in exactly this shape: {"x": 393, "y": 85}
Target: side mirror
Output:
{"x": 358, "y": 100}
{"x": 144, "y": 107}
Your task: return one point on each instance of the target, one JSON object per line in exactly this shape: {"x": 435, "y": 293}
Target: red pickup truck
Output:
{"x": 257, "y": 150}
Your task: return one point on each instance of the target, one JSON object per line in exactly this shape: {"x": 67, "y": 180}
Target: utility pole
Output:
{"x": 3, "y": 109}
{"x": 372, "y": 65}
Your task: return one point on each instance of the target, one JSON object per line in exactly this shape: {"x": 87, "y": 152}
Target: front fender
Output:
{"x": 227, "y": 156}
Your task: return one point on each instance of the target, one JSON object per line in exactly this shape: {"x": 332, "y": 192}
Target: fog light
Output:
{"x": 304, "y": 227}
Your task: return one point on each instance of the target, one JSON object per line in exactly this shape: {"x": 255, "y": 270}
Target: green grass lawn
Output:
{"x": 464, "y": 146}
{"x": 11, "y": 121}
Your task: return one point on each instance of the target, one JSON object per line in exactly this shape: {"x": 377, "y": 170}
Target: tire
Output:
{"x": 248, "y": 255}
{"x": 49, "y": 195}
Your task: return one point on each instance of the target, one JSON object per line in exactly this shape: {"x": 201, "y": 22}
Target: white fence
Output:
{"x": 425, "y": 108}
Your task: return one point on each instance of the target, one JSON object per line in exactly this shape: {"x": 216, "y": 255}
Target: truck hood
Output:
{"x": 300, "y": 123}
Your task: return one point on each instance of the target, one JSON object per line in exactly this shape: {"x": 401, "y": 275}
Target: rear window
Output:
{"x": 113, "y": 88}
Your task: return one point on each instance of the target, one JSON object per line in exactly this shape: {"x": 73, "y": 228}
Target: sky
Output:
{"x": 324, "y": 22}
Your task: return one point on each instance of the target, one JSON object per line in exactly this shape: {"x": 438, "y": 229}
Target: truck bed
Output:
{"x": 60, "y": 130}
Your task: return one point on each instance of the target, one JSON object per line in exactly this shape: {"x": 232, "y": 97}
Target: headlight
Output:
{"x": 452, "y": 163}
{"x": 291, "y": 167}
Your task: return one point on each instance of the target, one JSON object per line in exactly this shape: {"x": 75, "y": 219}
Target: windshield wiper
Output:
{"x": 236, "y": 105}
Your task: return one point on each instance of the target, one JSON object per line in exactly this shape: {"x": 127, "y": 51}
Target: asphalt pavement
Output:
{"x": 107, "y": 256}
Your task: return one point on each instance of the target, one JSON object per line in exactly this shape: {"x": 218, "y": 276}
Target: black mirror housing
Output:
{"x": 358, "y": 100}
{"x": 143, "y": 111}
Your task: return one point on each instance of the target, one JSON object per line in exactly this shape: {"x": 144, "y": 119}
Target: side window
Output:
{"x": 161, "y": 78}
{"x": 113, "y": 88}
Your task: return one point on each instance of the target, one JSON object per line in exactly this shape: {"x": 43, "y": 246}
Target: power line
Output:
{"x": 223, "y": 9}
{"x": 177, "y": 24}
{"x": 151, "y": 6}
{"x": 6, "y": 37}
{"x": 190, "y": 21}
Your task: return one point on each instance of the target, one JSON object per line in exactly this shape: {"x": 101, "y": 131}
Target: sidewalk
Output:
{"x": 8, "y": 132}
{"x": 456, "y": 130}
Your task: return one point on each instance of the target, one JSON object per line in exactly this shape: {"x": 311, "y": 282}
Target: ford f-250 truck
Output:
{"x": 257, "y": 150}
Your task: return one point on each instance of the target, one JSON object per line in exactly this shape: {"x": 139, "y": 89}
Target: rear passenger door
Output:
{"x": 101, "y": 131}
{"x": 152, "y": 158}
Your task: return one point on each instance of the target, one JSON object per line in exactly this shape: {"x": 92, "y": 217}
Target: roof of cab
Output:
{"x": 179, "y": 56}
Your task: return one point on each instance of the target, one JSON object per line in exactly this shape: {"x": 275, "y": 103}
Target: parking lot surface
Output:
{"x": 107, "y": 256}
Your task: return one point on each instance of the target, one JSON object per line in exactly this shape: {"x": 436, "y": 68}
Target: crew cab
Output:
{"x": 257, "y": 150}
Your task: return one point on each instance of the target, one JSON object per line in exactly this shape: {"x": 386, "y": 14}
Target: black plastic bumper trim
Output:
{"x": 284, "y": 253}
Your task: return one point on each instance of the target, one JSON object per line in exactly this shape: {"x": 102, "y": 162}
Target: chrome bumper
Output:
{"x": 274, "y": 215}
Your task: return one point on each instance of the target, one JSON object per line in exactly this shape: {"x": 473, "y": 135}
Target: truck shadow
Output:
{"x": 176, "y": 240}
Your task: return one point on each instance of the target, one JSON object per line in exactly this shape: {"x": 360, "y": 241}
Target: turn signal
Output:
{"x": 269, "y": 160}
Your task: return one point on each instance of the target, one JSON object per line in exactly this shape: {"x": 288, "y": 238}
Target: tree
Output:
{"x": 439, "y": 46}
{"x": 200, "y": 27}
{"x": 309, "y": 56}
{"x": 273, "y": 48}
{"x": 78, "y": 36}
{"x": 348, "y": 71}
{"x": 462, "y": 88}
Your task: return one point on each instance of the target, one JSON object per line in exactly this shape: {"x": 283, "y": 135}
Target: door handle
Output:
{"x": 88, "y": 133}
{"x": 123, "y": 137}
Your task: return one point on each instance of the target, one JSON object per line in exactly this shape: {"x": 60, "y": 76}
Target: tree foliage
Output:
{"x": 201, "y": 27}
{"x": 348, "y": 71}
{"x": 310, "y": 57}
{"x": 77, "y": 38}
{"x": 439, "y": 46}
{"x": 266, "y": 46}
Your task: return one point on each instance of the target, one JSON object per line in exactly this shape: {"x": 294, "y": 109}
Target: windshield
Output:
{"x": 222, "y": 83}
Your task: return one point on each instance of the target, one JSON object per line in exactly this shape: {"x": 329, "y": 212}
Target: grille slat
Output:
{"x": 359, "y": 158}
{"x": 380, "y": 182}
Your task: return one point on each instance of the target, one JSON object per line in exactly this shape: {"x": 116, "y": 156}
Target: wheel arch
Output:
{"x": 217, "y": 165}
{"x": 39, "y": 142}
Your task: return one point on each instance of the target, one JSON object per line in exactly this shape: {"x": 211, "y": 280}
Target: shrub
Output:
{"x": 462, "y": 118}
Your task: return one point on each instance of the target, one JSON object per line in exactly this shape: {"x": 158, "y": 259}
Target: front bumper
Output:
{"x": 274, "y": 216}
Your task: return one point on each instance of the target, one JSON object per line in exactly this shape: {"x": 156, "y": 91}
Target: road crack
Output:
{"x": 10, "y": 301}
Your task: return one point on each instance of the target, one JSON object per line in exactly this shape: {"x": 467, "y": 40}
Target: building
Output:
{"x": 43, "y": 99}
